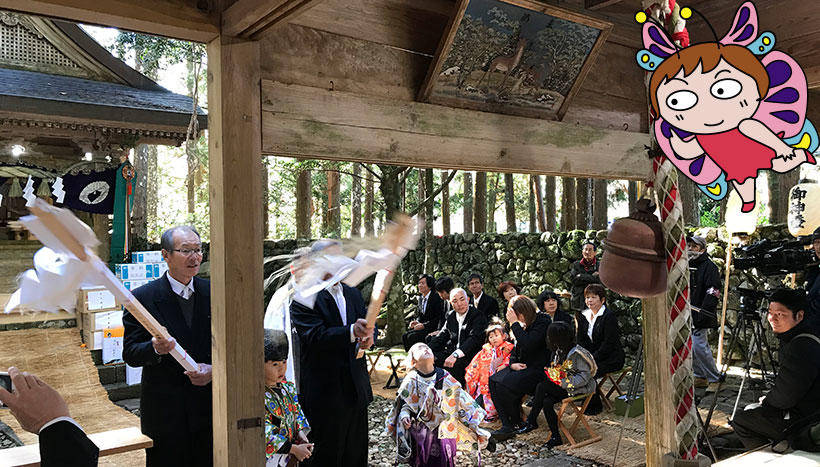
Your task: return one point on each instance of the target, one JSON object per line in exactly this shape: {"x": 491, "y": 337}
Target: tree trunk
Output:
{"x": 445, "y": 204}
{"x": 303, "y": 204}
{"x": 723, "y": 204}
{"x": 567, "y": 203}
{"x": 152, "y": 198}
{"x": 334, "y": 221}
{"x": 468, "y": 201}
{"x": 549, "y": 202}
{"x": 265, "y": 196}
{"x": 531, "y": 205}
{"x": 779, "y": 186}
{"x": 356, "y": 202}
{"x": 509, "y": 202}
{"x": 429, "y": 188}
{"x": 369, "y": 196}
{"x": 582, "y": 203}
{"x": 689, "y": 199}
{"x": 535, "y": 180}
{"x": 632, "y": 195}
{"x": 480, "y": 203}
{"x": 403, "y": 191}
{"x": 390, "y": 188}
{"x": 492, "y": 200}
{"x": 599, "y": 210}
{"x": 139, "y": 210}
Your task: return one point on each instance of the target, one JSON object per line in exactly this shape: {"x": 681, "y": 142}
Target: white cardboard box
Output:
{"x": 130, "y": 271}
{"x": 131, "y": 285}
{"x": 101, "y": 320}
{"x": 112, "y": 345}
{"x": 147, "y": 257}
{"x": 133, "y": 375}
{"x": 92, "y": 339}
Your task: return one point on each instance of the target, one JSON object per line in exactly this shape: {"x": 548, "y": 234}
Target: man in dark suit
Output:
{"x": 41, "y": 410}
{"x": 488, "y": 306}
{"x": 334, "y": 385}
{"x": 460, "y": 338}
{"x": 175, "y": 405}
{"x": 431, "y": 313}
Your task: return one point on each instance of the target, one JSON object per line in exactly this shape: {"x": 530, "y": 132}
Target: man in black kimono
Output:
{"x": 334, "y": 385}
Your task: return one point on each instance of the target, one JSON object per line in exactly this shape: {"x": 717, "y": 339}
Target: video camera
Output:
{"x": 750, "y": 301}
{"x": 776, "y": 257}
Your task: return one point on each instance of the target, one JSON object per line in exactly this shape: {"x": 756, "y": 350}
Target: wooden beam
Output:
{"x": 598, "y": 4}
{"x": 304, "y": 122}
{"x": 659, "y": 410}
{"x": 180, "y": 19}
{"x": 249, "y": 18}
{"x": 236, "y": 251}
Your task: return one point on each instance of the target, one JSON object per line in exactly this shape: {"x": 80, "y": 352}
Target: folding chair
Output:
{"x": 373, "y": 356}
{"x": 394, "y": 381}
{"x": 605, "y": 398}
{"x": 580, "y": 418}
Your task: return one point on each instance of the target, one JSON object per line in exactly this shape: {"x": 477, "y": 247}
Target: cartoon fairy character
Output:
{"x": 721, "y": 113}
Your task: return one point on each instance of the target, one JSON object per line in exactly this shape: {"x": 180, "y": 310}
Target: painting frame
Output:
{"x": 428, "y": 91}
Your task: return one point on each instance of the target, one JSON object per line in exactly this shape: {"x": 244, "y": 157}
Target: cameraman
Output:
{"x": 796, "y": 392}
{"x": 704, "y": 291}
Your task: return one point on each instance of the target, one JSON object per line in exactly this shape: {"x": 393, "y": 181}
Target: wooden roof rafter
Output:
{"x": 249, "y": 18}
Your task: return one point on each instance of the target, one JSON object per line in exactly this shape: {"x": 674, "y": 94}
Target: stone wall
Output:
{"x": 537, "y": 262}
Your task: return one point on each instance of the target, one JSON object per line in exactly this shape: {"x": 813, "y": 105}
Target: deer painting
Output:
{"x": 505, "y": 64}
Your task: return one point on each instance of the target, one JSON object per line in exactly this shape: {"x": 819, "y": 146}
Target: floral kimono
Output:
{"x": 485, "y": 363}
{"x": 444, "y": 419}
{"x": 284, "y": 420}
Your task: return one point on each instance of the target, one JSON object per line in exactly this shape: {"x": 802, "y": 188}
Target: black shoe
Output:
{"x": 491, "y": 444}
{"x": 503, "y": 434}
{"x": 526, "y": 427}
{"x": 554, "y": 441}
{"x": 595, "y": 406}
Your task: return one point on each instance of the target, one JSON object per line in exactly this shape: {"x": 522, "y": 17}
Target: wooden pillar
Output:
{"x": 235, "y": 142}
{"x": 659, "y": 409}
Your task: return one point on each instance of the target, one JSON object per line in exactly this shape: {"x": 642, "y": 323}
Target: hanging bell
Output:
{"x": 634, "y": 261}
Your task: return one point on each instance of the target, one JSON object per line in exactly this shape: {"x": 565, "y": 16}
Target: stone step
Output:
{"x": 122, "y": 391}
{"x": 110, "y": 374}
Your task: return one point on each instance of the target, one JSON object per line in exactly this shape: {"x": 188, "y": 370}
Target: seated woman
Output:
{"x": 508, "y": 289}
{"x": 493, "y": 357}
{"x": 433, "y": 417}
{"x": 527, "y": 362}
{"x": 286, "y": 427}
{"x": 549, "y": 302}
{"x": 571, "y": 374}
{"x": 600, "y": 333}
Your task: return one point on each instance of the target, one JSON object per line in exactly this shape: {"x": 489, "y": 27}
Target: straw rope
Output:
{"x": 677, "y": 300}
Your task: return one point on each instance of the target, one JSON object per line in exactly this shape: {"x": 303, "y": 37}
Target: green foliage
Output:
{"x": 709, "y": 212}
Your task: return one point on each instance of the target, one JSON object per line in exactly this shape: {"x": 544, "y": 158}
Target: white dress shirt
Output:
{"x": 337, "y": 292}
{"x": 476, "y": 299}
{"x": 184, "y": 291}
{"x": 588, "y": 315}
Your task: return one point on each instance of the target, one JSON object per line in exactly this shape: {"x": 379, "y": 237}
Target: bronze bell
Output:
{"x": 634, "y": 261}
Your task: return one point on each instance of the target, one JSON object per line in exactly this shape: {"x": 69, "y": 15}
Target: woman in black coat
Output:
{"x": 527, "y": 362}
{"x": 549, "y": 302}
{"x": 604, "y": 340}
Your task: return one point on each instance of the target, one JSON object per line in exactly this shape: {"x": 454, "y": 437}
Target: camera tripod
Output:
{"x": 749, "y": 327}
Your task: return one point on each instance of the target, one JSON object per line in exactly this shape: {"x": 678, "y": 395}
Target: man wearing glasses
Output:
{"x": 175, "y": 405}
{"x": 791, "y": 407}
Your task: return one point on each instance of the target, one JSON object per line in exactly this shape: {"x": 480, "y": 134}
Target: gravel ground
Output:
{"x": 382, "y": 448}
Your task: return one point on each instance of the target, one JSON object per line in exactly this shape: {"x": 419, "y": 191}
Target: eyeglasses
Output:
{"x": 189, "y": 251}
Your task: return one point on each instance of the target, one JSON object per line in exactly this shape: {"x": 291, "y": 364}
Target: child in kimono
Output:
{"x": 433, "y": 416}
{"x": 493, "y": 356}
{"x": 286, "y": 427}
{"x": 572, "y": 373}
